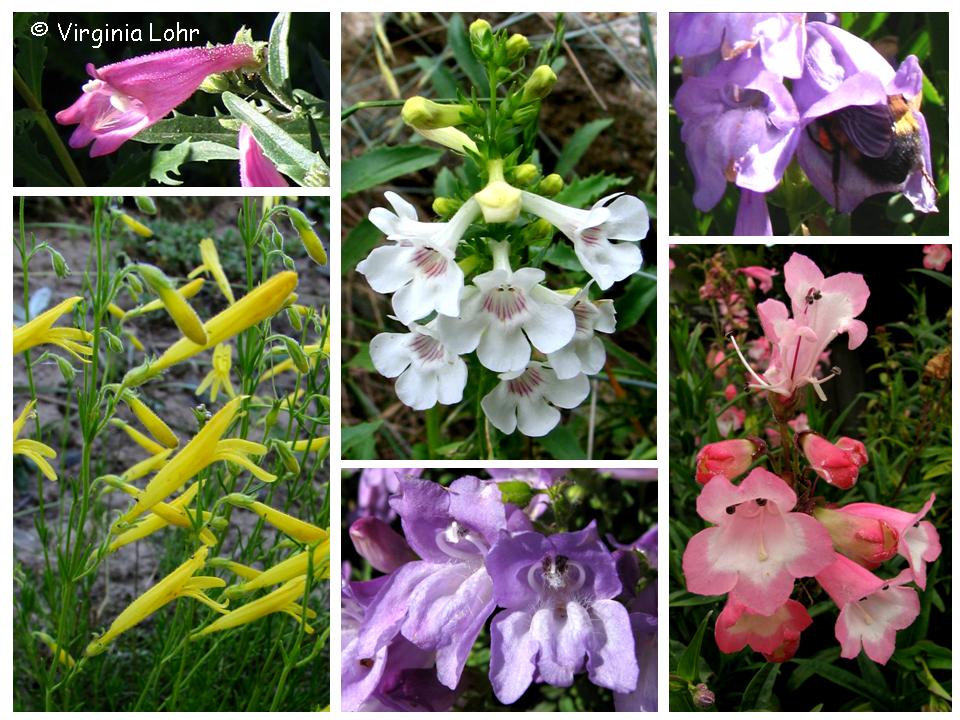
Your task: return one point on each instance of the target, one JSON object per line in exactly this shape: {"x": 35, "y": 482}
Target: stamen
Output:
{"x": 760, "y": 381}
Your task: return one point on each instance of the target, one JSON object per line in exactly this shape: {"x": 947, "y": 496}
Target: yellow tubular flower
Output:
{"x": 316, "y": 444}
{"x": 290, "y": 568}
{"x": 145, "y": 467}
{"x": 177, "y": 307}
{"x": 163, "y": 515}
{"x": 186, "y": 291}
{"x": 260, "y": 303}
{"x": 40, "y": 331}
{"x": 178, "y": 583}
{"x": 33, "y": 449}
{"x": 279, "y": 600}
{"x": 138, "y": 437}
{"x": 211, "y": 264}
{"x": 249, "y": 573}
{"x": 115, "y": 310}
{"x": 205, "y": 448}
{"x": 311, "y": 352}
{"x": 219, "y": 376}
{"x": 63, "y": 657}
{"x": 138, "y": 227}
{"x": 151, "y": 421}
{"x": 311, "y": 242}
{"x": 134, "y": 340}
{"x": 288, "y": 524}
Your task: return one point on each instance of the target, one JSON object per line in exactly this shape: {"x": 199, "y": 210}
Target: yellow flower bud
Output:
{"x": 499, "y": 201}
{"x": 550, "y": 185}
{"x": 177, "y": 307}
{"x": 138, "y": 227}
{"x": 539, "y": 84}
{"x": 423, "y": 114}
{"x": 308, "y": 237}
{"x": 445, "y": 207}
{"x": 525, "y": 174}
{"x": 517, "y": 46}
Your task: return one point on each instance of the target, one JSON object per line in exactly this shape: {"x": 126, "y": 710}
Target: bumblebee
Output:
{"x": 882, "y": 140}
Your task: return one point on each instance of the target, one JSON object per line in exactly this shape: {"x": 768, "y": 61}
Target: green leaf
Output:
{"x": 290, "y": 157}
{"x": 459, "y": 41}
{"x": 165, "y": 162}
{"x": 443, "y": 81}
{"x": 759, "y": 691}
{"x": 278, "y": 52}
{"x": 578, "y": 144}
{"x": 563, "y": 444}
{"x": 354, "y": 435}
{"x": 586, "y": 191}
{"x": 31, "y": 56}
{"x": 942, "y": 277}
{"x": 382, "y": 165}
{"x": 33, "y": 167}
{"x": 838, "y": 676}
{"x": 689, "y": 662}
{"x": 358, "y": 245}
{"x": 640, "y": 294}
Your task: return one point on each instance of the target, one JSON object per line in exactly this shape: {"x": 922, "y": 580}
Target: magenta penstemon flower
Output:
{"x": 127, "y": 97}
{"x": 256, "y": 169}
{"x": 560, "y": 617}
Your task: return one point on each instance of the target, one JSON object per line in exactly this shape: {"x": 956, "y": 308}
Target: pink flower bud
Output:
{"x": 866, "y": 541}
{"x": 730, "y": 458}
{"x": 837, "y": 464}
{"x": 382, "y": 546}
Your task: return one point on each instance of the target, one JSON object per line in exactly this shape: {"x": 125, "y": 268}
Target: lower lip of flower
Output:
{"x": 430, "y": 262}
{"x": 526, "y": 384}
{"x": 505, "y": 303}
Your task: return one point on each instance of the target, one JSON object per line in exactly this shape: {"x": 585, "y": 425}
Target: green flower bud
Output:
{"x": 539, "y": 84}
{"x": 445, "y": 207}
{"x": 525, "y": 174}
{"x": 550, "y": 185}
{"x": 145, "y": 204}
{"x": 517, "y": 46}
{"x": 215, "y": 84}
{"x": 423, "y": 114}
{"x": 481, "y": 40}
{"x": 311, "y": 242}
{"x": 527, "y": 114}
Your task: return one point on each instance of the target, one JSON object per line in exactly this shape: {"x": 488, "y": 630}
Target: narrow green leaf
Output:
{"x": 354, "y": 435}
{"x": 382, "y": 165}
{"x": 358, "y": 244}
{"x": 278, "y": 52}
{"x": 584, "y": 192}
{"x": 562, "y": 444}
{"x": 578, "y": 144}
{"x": 459, "y": 40}
{"x": 760, "y": 689}
{"x": 690, "y": 660}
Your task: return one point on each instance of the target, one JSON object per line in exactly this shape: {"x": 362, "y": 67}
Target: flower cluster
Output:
{"x": 561, "y": 604}
{"x": 771, "y": 529}
{"x": 458, "y": 289}
{"x": 760, "y": 89}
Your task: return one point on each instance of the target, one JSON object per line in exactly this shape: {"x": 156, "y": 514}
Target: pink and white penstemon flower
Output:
{"x": 776, "y": 635}
{"x": 615, "y": 217}
{"x": 127, "y": 97}
{"x": 420, "y": 268}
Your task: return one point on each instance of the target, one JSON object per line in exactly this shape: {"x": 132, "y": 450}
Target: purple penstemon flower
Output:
{"x": 127, "y": 97}
{"x": 560, "y": 617}
{"x": 740, "y": 125}
{"x": 778, "y": 39}
{"x": 848, "y": 88}
{"x": 440, "y": 603}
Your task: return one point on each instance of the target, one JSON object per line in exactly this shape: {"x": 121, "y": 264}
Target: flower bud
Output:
{"x": 837, "y": 464}
{"x": 539, "y": 84}
{"x": 499, "y": 201}
{"x": 423, "y": 114}
{"x": 516, "y": 46}
{"x": 382, "y": 546}
{"x": 550, "y": 185}
{"x": 526, "y": 174}
{"x": 481, "y": 40}
{"x": 703, "y": 697}
{"x": 145, "y": 204}
{"x": 526, "y": 114}
{"x": 136, "y": 226}
{"x": 177, "y": 307}
{"x": 730, "y": 458}
{"x": 308, "y": 237}
{"x": 866, "y": 541}
{"x": 446, "y": 207}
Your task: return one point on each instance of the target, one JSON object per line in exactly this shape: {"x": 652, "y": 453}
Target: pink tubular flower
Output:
{"x": 126, "y": 97}
{"x": 822, "y": 309}
{"x": 838, "y": 464}
{"x": 936, "y": 257}
{"x": 731, "y": 420}
{"x": 757, "y": 547}
{"x": 256, "y": 169}
{"x": 918, "y": 541}
{"x": 776, "y": 636}
{"x": 871, "y": 609}
{"x": 759, "y": 277}
{"x": 866, "y": 541}
{"x": 382, "y": 546}
{"x": 730, "y": 458}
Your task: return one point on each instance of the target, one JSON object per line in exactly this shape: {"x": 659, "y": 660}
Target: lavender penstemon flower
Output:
{"x": 850, "y": 119}
{"x": 556, "y": 604}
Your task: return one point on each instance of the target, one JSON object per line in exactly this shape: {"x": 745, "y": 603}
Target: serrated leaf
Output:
{"x": 586, "y": 191}
{"x": 578, "y": 144}
{"x": 165, "y": 162}
{"x": 381, "y": 165}
{"x": 301, "y": 165}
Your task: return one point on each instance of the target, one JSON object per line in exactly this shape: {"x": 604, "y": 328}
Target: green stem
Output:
{"x": 63, "y": 155}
